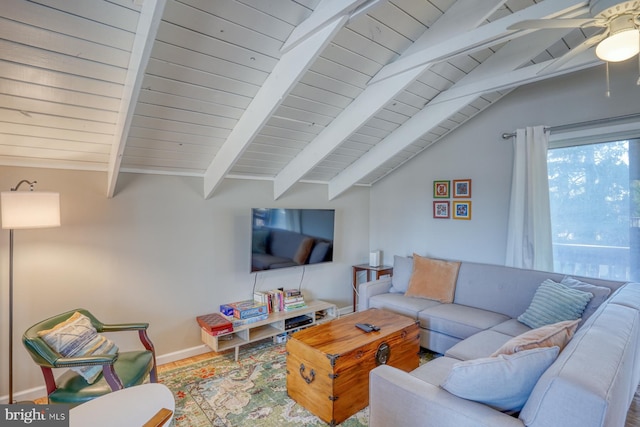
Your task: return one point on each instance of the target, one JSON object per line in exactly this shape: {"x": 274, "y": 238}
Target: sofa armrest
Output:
{"x": 397, "y": 398}
{"x": 368, "y": 289}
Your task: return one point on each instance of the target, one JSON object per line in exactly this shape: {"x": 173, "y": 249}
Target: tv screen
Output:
{"x": 283, "y": 238}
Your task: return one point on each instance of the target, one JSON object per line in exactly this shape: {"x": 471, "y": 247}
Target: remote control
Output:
{"x": 367, "y": 327}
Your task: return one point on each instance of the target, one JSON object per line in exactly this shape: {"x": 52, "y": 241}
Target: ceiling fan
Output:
{"x": 620, "y": 39}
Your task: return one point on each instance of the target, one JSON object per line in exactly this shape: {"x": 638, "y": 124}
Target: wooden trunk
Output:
{"x": 328, "y": 365}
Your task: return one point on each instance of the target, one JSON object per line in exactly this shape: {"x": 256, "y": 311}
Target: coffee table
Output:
{"x": 328, "y": 365}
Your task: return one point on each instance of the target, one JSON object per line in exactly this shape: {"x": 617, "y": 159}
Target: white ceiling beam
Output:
{"x": 493, "y": 74}
{"x": 325, "y": 12}
{"x": 522, "y": 76}
{"x": 289, "y": 69}
{"x": 462, "y": 15}
{"x": 148, "y": 22}
{"x": 489, "y": 34}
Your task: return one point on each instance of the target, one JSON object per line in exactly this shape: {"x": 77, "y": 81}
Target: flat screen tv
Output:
{"x": 282, "y": 238}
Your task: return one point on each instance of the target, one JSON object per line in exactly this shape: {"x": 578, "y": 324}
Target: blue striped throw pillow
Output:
{"x": 554, "y": 302}
{"x": 77, "y": 337}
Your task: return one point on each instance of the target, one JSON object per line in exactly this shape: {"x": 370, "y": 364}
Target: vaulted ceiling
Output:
{"x": 332, "y": 91}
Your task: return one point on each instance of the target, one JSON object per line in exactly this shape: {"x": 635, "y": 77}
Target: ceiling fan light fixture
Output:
{"x": 623, "y": 41}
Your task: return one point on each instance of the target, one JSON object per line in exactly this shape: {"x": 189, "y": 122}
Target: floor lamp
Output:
{"x": 21, "y": 210}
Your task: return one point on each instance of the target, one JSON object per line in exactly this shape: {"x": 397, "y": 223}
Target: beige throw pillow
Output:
{"x": 433, "y": 279}
{"x": 556, "y": 334}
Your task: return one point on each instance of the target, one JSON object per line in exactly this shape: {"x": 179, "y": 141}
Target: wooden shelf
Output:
{"x": 318, "y": 311}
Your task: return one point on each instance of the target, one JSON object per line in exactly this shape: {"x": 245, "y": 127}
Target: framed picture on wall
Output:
{"x": 441, "y": 209}
{"x": 462, "y": 188}
{"x": 441, "y": 189}
{"x": 462, "y": 210}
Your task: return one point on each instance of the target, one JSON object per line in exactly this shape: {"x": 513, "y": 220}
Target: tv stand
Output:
{"x": 318, "y": 311}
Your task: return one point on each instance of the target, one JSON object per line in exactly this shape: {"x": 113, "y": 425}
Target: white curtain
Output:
{"x": 529, "y": 230}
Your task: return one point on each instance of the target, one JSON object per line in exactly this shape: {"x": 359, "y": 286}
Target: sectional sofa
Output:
{"x": 587, "y": 379}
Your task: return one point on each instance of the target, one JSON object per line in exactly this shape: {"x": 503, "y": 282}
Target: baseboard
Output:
{"x": 182, "y": 354}
{"x": 26, "y": 395}
{"x": 345, "y": 310}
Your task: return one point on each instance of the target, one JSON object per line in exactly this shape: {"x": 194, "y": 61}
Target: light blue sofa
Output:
{"x": 591, "y": 383}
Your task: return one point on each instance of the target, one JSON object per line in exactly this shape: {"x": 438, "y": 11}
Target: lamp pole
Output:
{"x": 31, "y": 184}
{"x": 25, "y": 210}
{"x": 11, "y": 316}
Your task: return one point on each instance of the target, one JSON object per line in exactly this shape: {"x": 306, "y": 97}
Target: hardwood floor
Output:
{"x": 633, "y": 416}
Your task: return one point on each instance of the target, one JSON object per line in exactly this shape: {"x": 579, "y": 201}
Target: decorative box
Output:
{"x": 226, "y": 309}
{"x": 215, "y": 324}
{"x": 248, "y": 308}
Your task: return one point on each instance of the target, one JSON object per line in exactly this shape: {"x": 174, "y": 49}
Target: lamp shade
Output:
{"x": 29, "y": 209}
{"x": 620, "y": 46}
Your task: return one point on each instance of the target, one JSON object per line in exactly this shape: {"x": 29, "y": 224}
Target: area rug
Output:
{"x": 219, "y": 391}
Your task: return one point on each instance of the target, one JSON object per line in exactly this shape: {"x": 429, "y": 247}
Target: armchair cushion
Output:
{"x": 131, "y": 367}
{"x": 77, "y": 337}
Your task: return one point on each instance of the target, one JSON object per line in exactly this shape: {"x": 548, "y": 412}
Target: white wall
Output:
{"x": 401, "y": 204}
{"x": 157, "y": 252}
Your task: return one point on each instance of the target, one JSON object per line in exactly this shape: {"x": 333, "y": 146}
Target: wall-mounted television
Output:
{"x": 282, "y": 238}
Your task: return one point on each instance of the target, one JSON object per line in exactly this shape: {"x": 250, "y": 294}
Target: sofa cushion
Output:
{"x": 628, "y": 296}
{"x": 554, "y": 303}
{"x": 76, "y": 337}
{"x": 554, "y": 335}
{"x": 460, "y": 321}
{"x": 398, "y": 303}
{"x": 503, "y": 382}
{"x": 511, "y": 327}
{"x": 433, "y": 279}
{"x": 435, "y": 371}
{"x": 402, "y": 269}
{"x": 600, "y": 294}
{"x": 482, "y": 344}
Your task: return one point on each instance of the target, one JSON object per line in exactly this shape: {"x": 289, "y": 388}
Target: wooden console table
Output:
{"x": 381, "y": 270}
{"x": 318, "y": 311}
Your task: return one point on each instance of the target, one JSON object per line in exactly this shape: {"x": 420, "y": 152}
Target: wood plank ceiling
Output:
{"x": 340, "y": 92}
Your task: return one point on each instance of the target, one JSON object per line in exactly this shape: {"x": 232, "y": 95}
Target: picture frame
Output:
{"x": 462, "y": 188}
{"x": 461, "y": 209}
{"x": 441, "y": 189}
{"x": 441, "y": 209}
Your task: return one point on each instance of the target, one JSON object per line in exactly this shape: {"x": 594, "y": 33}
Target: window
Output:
{"x": 594, "y": 193}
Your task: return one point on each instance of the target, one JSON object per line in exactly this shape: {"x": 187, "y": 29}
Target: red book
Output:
{"x": 215, "y": 324}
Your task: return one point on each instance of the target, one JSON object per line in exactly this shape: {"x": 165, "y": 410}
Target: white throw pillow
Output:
{"x": 503, "y": 382}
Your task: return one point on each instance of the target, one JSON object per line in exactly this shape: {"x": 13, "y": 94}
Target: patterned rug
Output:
{"x": 251, "y": 392}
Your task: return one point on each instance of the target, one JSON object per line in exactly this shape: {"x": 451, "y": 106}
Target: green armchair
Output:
{"x": 120, "y": 370}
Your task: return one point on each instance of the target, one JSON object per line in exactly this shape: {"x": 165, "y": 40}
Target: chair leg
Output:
{"x": 153, "y": 375}
{"x": 144, "y": 338}
{"x": 49, "y": 380}
{"x": 112, "y": 378}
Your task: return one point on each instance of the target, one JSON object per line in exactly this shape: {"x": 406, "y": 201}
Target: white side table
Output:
{"x": 129, "y": 407}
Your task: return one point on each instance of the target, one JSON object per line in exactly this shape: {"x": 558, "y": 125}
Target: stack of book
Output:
{"x": 293, "y": 299}
{"x": 280, "y": 299}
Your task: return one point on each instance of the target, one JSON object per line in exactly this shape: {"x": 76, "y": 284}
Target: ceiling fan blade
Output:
{"x": 585, "y": 45}
{"x": 536, "y": 24}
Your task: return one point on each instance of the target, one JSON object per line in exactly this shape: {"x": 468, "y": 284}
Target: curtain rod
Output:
{"x": 578, "y": 125}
